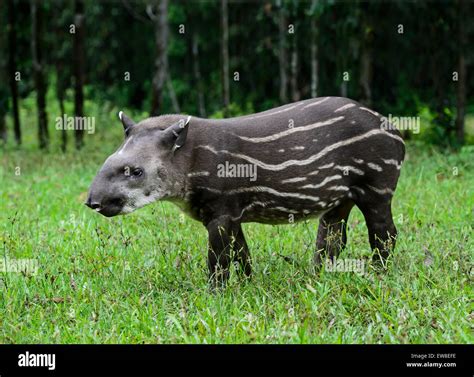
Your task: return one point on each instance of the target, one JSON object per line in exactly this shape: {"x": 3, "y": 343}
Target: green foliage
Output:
{"x": 411, "y": 72}
{"x": 234, "y": 110}
{"x": 433, "y": 126}
{"x": 143, "y": 277}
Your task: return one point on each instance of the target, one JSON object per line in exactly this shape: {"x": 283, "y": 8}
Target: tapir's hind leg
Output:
{"x": 382, "y": 231}
{"x": 332, "y": 235}
{"x": 241, "y": 253}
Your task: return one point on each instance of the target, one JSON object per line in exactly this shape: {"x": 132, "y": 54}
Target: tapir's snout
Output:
{"x": 107, "y": 207}
{"x": 93, "y": 205}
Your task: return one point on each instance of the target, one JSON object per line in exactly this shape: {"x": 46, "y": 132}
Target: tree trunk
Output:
{"x": 282, "y": 52}
{"x": 38, "y": 69}
{"x": 12, "y": 69}
{"x": 365, "y": 78}
{"x": 79, "y": 71}
{"x": 3, "y": 129}
{"x": 3, "y": 88}
{"x": 295, "y": 94}
{"x": 197, "y": 77}
{"x": 174, "y": 99}
{"x": 161, "y": 62}
{"x": 461, "y": 87}
{"x": 314, "y": 53}
{"x": 225, "y": 56}
{"x": 62, "y": 79}
{"x": 366, "y": 75}
{"x": 60, "y": 91}
{"x": 343, "y": 88}
{"x": 3, "y": 100}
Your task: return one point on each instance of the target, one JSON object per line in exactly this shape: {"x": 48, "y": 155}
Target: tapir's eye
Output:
{"x": 132, "y": 172}
{"x": 137, "y": 172}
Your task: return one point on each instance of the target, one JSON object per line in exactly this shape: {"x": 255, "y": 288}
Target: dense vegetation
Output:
{"x": 215, "y": 58}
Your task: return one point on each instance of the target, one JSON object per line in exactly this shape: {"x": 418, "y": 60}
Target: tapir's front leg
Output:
{"x": 223, "y": 232}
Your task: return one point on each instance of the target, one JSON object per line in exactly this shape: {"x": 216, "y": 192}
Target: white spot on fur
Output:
{"x": 297, "y": 148}
{"x": 316, "y": 103}
{"x": 263, "y": 189}
{"x": 284, "y": 209}
{"x": 374, "y": 166}
{"x": 290, "y": 131}
{"x": 338, "y": 188}
{"x": 199, "y": 174}
{"x": 397, "y": 164}
{"x": 370, "y": 111}
{"x": 250, "y": 206}
{"x": 349, "y": 168}
{"x": 345, "y": 107}
{"x": 292, "y": 180}
{"x": 380, "y": 191}
{"x": 324, "y": 182}
{"x": 271, "y": 113}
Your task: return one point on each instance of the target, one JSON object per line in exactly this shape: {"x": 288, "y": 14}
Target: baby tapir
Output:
{"x": 317, "y": 157}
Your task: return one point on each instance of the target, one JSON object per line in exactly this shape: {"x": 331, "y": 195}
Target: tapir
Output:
{"x": 313, "y": 158}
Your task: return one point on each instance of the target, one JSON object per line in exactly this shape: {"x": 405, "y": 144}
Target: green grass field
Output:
{"x": 143, "y": 278}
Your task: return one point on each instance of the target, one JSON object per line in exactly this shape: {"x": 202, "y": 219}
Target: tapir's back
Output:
{"x": 297, "y": 160}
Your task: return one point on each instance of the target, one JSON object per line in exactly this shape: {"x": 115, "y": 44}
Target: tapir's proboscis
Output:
{"x": 313, "y": 158}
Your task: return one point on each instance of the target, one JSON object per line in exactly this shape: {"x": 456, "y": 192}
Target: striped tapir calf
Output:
{"x": 313, "y": 158}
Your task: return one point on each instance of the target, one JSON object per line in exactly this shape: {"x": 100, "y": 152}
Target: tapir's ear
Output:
{"x": 177, "y": 133}
{"x": 128, "y": 124}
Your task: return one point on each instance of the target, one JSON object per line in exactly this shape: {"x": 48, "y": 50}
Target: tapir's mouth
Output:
{"x": 111, "y": 208}
{"x": 110, "y": 211}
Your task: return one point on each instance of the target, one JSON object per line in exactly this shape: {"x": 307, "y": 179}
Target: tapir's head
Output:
{"x": 141, "y": 171}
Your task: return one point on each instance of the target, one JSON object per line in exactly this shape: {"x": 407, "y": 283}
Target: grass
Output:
{"x": 143, "y": 277}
